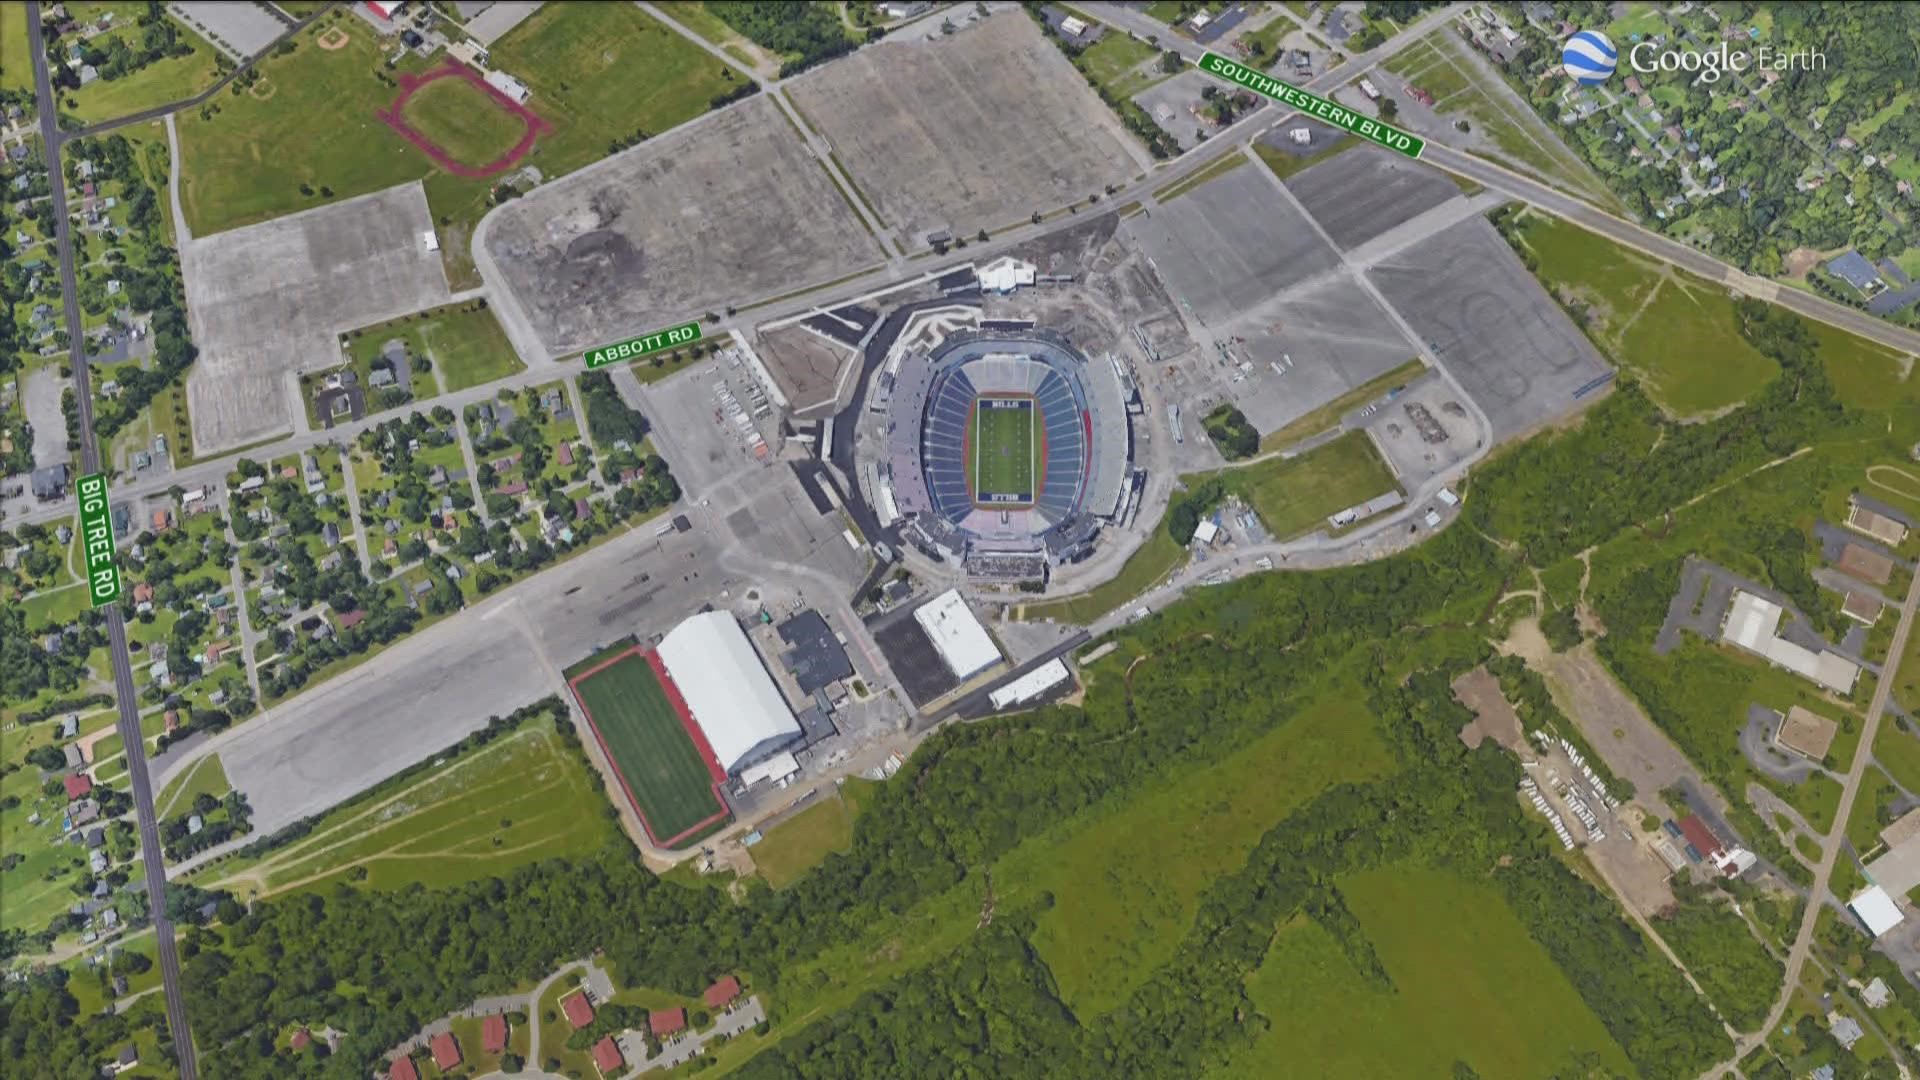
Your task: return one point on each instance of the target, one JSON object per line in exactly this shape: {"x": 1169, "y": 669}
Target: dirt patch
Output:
{"x": 333, "y": 40}
{"x": 1494, "y": 717}
{"x": 1799, "y": 261}
{"x": 262, "y": 89}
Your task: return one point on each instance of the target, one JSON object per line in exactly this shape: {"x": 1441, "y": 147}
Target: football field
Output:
{"x": 1003, "y": 450}
{"x": 668, "y": 779}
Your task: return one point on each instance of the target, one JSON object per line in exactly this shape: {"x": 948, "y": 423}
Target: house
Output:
{"x": 194, "y": 824}
{"x": 330, "y": 534}
{"x": 143, "y": 593}
{"x": 96, "y": 837}
{"x": 564, "y": 455}
{"x": 301, "y": 1040}
{"x": 1869, "y": 566}
{"x": 577, "y": 1009}
{"x": 1854, "y": 269}
{"x": 214, "y": 652}
{"x": 493, "y": 1034}
{"x": 581, "y": 511}
{"x": 446, "y": 1051}
{"x": 129, "y": 1057}
{"x": 403, "y": 1069}
{"x": 1876, "y": 995}
{"x": 1805, "y": 733}
{"x": 1861, "y": 608}
{"x": 665, "y": 1022}
{"x": 82, "y": 812}
{"x": 173, "y": 720}
{"x": 78, "y": 786}
{"x": 51, "y": 482}
{"x": 1846, "y": 1030}
{"x": 437, "y": 476}
{"x": 162, "y": 520}
{"x": 607, "y": 1057}
{"x": 722, "y": 993}
{"x": 351, "y": 619}
{"x": 381, "y": 376}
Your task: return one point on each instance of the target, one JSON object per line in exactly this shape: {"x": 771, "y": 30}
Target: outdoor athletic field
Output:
{"x": 1003, "y": 450}
{"x": 667, "y": 776}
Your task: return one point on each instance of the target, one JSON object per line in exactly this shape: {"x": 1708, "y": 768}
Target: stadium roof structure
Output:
{"x": 1876, "y": 909}
{"x": 730, "y": 694}
{"x": 963, "y": 644}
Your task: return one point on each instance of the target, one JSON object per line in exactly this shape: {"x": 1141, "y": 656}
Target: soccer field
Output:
{"x": 664, "y": 772}
{"x": 1003, "y": 450}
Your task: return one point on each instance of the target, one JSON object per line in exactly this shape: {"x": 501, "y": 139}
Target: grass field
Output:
{"x": 1003, "y": 449}
{"x": 206, "y": 776}
{"x": 1283, "y": 164}
{"x": 798, "y": 844}
{"x": 16, "y": 58}
{"x": 526, "y": 796}
{"x": 1112, "y": 60}
{"x": 650, "y": 746}
{"x": 464, "y": 120}
{"x": 172, "y": 78}
{"x": 464, "y": 341}
{"x": 1296, "y": 495}
{"x": 1674, "y": 330}
{"x": 1469, "y": 985}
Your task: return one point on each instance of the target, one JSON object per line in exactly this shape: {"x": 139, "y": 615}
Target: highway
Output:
{"x": 126, "y": 697}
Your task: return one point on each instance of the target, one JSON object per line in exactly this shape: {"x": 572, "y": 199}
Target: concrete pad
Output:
{"x": 1491, "y": 325}
{"x": 268, "y": 301}
{"x": 971, "y": 131}
{"x": 1424, "y": 431}
{"x": 492, "y": 24}
{"x": 1362, "y": 192}
{"x": 806, "y": 365}
{"x": 239, "y": 30}
{"x": 1231, "y": 243}
{"x": 1327, "y": 338}
{"x": 722, "y": 209}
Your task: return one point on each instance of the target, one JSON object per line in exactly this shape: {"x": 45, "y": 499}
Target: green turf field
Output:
{"x": 1003, "y": 451}
{"x": 649, "y": 745}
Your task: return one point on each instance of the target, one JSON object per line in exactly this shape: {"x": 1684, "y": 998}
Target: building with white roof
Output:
{"x": 1031, "y": 685}
{"x": 1753, "y": 624}
{"x": 1876, "y": 909}
{"x": 727, "y": 690}
{"x": 963, "y": 644}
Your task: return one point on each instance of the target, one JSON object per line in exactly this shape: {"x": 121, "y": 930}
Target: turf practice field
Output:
{"x": 665, "y": 774}
{"x": 1003, "y": 450}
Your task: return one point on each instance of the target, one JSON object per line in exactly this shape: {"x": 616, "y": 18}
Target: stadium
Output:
{"x": 1006, "y": 448}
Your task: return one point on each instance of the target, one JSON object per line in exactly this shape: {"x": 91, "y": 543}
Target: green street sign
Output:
{"x": 1313, "y": 105}
{"x": 96, "y": 532}
{"x": 685, "y": 333}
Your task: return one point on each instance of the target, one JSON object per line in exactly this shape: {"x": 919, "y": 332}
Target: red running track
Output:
{"x": 410, "y": 85}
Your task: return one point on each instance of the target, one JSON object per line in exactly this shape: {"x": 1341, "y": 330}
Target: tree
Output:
{"x": 1389, "y": 108}
{"x": 1170, "y": 62}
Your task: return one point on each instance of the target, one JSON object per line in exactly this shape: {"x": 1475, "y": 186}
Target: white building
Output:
{"x": 1031, "y": 685}
{"x": 1753, "y": 624}
{"x": 509, "y": 86}
{"x": 1876, "y": 909}
{"x": 963, "y": 644}
{"x": 727, "y": 690}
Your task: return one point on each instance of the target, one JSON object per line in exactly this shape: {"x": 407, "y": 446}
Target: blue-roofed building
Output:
{"x": 1854, "y": 269}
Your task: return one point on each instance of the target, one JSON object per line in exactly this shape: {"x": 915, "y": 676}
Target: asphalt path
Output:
{"x": 151, "y": 856}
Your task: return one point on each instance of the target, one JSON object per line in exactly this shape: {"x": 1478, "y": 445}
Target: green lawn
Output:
{"x": 644, "y": 736}
{"x": 16, "y": 59}
{"x": 206, "y": 776}
{"x": 173, "y": 78}
{"x": 1155, "y": 559}
{"x": 464, "y": 341}
{"x": 798, "y": 844}
{"x": 1003, "y": 448}
{"x": 464, "y": 120}
{"x": 1113, "y": 58}
{"x": 696, "y": 17}
{"x": 1296, "y": 495}
{"x": 1469, "y": 985}
{"x": 526, "y": 796}
{"x": 1675, "y": 331}
{"x": 1284, "y": 164}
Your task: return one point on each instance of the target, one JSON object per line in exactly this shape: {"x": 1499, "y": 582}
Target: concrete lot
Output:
{"x": 625, "y": 247}
{"x": 267, "y": 301}
{"x": 968, "y": 132}
{"x": 1231, "y": 244}
{"x": 1492, "y": 325}
{"x": 1362, "y": 192}
{"x": 1172, "y": 104}
{"x": 239, "y": 30}
{"x": 492, "y": 24}
{"x": 40, "y": 398}
{"x": 805, "y": 364}
{"x": 1424, "y": 431}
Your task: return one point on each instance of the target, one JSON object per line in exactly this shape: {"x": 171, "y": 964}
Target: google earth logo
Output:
{"x": 1589, "y": 57}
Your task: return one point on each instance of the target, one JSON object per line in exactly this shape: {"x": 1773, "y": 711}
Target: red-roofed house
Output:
{"x": 665, "y": 1022}
{"x": 446, "y": 1051}
{"x": 385, "y": 8}
{"x": 722, "y": 993}
{"x": 606, "y": 1055}
{"x": 403, "y": 1070}
{"x": 516, "y": 488}
{"x": 162, "y": 520}
{"x": 581, "y": 511}
{"x": 493, "y": 1034}
{"x": 79, "y": 785}
{"x": 564, "y": 455}
{"x": 578, "y": 1010}
{"x": 143, "y": 593}
{"x": 352, "y": 618}
{"x": 172, "y": 718}
{"x": 214, "y": 651}
{"x": 301, "y": 1039}
{"x": 1700, "y": 836}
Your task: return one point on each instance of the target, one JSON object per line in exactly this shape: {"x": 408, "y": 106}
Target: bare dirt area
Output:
{"x": 267, "y": 301}
{"x": 723, "y": 209}
{"x": 1494, "y": 717}
{"x": 977, "y": 130}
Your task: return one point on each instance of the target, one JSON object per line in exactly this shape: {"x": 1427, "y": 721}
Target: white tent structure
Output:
{"x": 1876, "y": 909}
{"x": 730, "y": 694}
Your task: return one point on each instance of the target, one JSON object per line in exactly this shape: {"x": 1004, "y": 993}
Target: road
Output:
{"x": 1835, "y": 843}
{"x": 126, "y": 697}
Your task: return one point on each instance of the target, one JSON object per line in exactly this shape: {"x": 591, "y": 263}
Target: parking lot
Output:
{"x": 1491, "y": 325}
{"x": 1361, "y": 192}
{"x": 620, "y": 248}
{"x": 268, "y": 301}
{"x": 977, "y": 130}
{"x": 1423, "y": 431}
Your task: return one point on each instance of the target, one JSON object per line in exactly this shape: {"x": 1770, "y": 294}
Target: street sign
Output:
{"x": 684, "y": 334}
{"x": 96, "y": 533}
{"x": 1313, "y": 105}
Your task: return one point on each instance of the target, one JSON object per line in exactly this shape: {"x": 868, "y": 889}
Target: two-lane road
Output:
{"x": 152, "y": 860}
